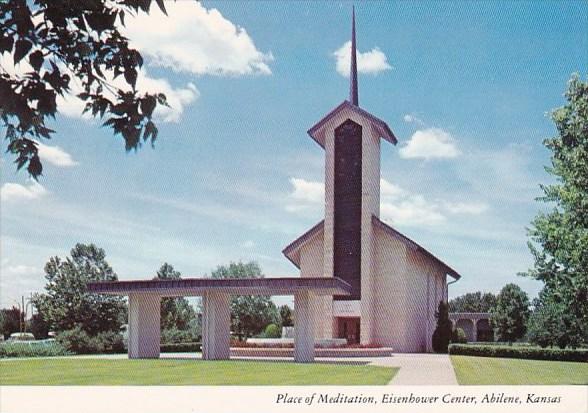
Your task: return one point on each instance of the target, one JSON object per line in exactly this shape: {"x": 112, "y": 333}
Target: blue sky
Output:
{"x": 464, "y": 86}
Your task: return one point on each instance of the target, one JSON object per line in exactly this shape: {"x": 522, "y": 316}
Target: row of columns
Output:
{"x": 145, "y": 334}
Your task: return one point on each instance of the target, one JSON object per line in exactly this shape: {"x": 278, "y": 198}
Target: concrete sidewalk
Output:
{"x": 420, "y": 368}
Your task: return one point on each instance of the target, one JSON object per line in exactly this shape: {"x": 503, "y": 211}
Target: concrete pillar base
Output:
{"x": 304, "y": 325}
{"x": 144, "y": 329}
{"x": 216, "y": 325}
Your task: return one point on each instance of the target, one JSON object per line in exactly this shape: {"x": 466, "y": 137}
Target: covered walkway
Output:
{"x": 145, "y": 297}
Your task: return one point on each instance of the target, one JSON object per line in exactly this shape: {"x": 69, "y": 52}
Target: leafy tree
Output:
{"x": 57, "y": 42}
{"x": 10, "y": 320}
{"x": 286, "y": 316}
{"x": 272, "y": 331}
{"x": 559, "y": 238}
{"x": 38, "y": 326}
{"x": 66, "y": 302}
{"x": 249, "y": 313}
{"x": 510, "y": 314}
{"x": 176, "y": 313}
{"x": 477, "y": 302}
{"x": 442, "y": 333}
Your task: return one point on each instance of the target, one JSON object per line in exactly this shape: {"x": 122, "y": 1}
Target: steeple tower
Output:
{"x": 353, "y": 90}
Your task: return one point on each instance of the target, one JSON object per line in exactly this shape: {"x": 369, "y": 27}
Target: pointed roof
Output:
{"x": 292, "y": 251}
{"x": 317, "y": 131}
{"x": 353, "y": 88}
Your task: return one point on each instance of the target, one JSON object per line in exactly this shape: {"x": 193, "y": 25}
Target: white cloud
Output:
{"x": 505, "y": 174}
{"x": 55, "y": 155}
{"x": 474, "y": 208}
{"x": 11, "y": 192}
{"x": 372, "y": 62}
{"x": 430, "y": 144}
{"x": 398, "y": 205}
{"x": 177, "y": 98}
{"x": 307, "y": 191}
{"x": 411, "y": 211}
{"x": 195, "y": 40}
{"x": 412, "y": 118}
{"x": 402, "y": 207}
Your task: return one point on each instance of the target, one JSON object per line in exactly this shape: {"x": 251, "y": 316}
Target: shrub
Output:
{"x": 181, "y": 348}
{"x": 109, "y": 342}
{"x": 78, "y": 341}
{"x": 519, "y": 352}
{"x": 442, "y": 333}
{"x": 75, "y": 340}
{"x": 44, "y": 348}
{"x": 272, "y": 331}
{"x": 458, "y": 336}
{"x": 173, "y": 336}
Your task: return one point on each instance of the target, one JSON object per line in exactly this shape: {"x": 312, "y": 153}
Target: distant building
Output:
{"x": 396, "y": 283}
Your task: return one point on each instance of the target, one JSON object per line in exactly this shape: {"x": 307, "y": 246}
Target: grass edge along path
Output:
{"x": 472, "y": 370}
{"x": 79, "y": 371}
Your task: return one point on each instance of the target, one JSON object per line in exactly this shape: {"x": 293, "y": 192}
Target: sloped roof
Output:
{"x": 412, "y": 245}
{"x": 379, "y": 125}
{"x": 292, "y": 251}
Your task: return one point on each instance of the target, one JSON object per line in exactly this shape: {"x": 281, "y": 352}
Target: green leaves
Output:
{"x": 560, "y": 236}
{"x": 510, "y": 314}
{"x": 64, "y": 36}
{"x": 66, "y": 302}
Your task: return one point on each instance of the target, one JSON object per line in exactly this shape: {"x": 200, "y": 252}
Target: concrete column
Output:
{"x": 475, "y": 331}
{"x": 216, "y": 326}
{"x": 304, "y": 324}
{"x": 144, "y": 330}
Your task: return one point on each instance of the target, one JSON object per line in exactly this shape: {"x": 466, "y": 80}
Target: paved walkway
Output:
{"x": 420, "y": 368}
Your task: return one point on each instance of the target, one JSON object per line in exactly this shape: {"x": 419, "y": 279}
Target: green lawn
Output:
{"x": 84, "y": 371}
{"x": 490, "y": 370}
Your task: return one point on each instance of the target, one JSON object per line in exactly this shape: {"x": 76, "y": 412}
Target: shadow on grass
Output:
{"x": 272, "y": 360}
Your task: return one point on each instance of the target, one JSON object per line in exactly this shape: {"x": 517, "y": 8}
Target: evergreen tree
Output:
{"x": 442, "y": 334}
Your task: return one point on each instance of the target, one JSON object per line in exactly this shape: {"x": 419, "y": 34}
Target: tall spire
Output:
{"x": 353, "y": 91}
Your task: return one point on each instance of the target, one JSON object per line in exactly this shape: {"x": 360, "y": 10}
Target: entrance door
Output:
{"x": 349, "y": 328}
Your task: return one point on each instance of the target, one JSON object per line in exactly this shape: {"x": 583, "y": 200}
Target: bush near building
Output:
{"x": 442, "y": 334}
{"x": 459, "y": 336}
{"x": 519, "y": 352}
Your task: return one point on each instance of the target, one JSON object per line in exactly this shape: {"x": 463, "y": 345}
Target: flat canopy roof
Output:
{"x": 236, "y": 286}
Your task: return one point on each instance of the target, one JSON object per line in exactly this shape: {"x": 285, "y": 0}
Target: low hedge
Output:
{"x": 181, "y": 348}
{"x": 32, "y": 349}
{"x": 519, "y": 352}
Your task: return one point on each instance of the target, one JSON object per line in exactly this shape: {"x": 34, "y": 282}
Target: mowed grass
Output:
{"x": 80, "y": 371}
{"x": 490, "y": 370}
